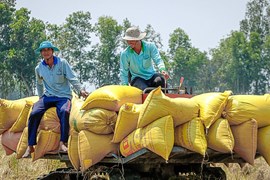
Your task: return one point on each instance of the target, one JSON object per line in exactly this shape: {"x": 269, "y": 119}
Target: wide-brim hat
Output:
{"x": 46, "y": 44}
{"x": 134, "y": 33}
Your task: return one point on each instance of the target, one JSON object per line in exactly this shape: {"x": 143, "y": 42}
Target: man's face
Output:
{"x": 46, "y": 53}
{"x": 132, "y": 43}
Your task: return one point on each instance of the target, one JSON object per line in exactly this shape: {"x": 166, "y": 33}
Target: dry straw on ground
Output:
{"x": 24, "y": 169}
{"x": 259, "y": 171}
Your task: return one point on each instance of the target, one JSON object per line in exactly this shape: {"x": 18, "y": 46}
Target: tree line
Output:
{"x": 241, "y": 61}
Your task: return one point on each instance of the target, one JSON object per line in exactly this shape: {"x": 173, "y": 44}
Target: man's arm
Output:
{"x": 158, "y": 61}
{"x": 124, "y": 69}
{"x": 72, "y": 78}
{"x": 156, "y": 57}
{"x": 39, "y": 83}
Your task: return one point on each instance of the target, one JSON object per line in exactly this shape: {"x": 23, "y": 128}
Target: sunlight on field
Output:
{"x": 25, "y": 169}
{"x": 260, "y": 170}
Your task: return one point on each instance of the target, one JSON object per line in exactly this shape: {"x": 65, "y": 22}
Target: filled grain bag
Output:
{"x": 75, "y": 115}
{"x": 23, "y": 144}
{"x": 211, "y": 106}
{"x": 245, "y": 138}
{"x": 93, "y": 148}
{"x": 220, "y": 137}
{"x": 7, "y": 150}
{"x": 157, "y": 105}
{"x": 10, "y": 110}
{"x": 158, "y": 137}
{"x": 75, "y": 98}
{"x": 50, "y": 121}
{"x": 22, "y": 119}
{"x": 191, "y": 135}
{"x": 10, "y": 141}
{"x": 264, "y": 143}
{"x": 73, "y": 153}
{"x": 241, "y": 108}
{"x": 96, "y": 120}
{"x": 47, "y": 141}
{"x": 112, "y": 97}
{"x": 75, "y": 112}
{"x": 126, "y": 122}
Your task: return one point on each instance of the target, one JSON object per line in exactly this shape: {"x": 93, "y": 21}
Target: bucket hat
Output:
{"x": 134, "y": 33}
{"x": 46, "y": 44}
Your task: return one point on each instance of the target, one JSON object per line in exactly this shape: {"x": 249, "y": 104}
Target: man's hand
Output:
{"x": 165, "y": 74}
{"x": 83, "y": 93}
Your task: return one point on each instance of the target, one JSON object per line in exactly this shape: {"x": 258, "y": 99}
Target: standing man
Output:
{"x": 54, "y": 78}
{"x": 137, "y": 59}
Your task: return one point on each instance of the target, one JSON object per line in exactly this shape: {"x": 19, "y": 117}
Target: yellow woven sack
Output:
{"x": 73, "y": 153}
{"x": 191, "y": 135}
{"x": 75, "y": 112}
{"x": 10, "y": 110}
{"x": 264, "y": 143}
{"x": 126, "y": 122}
{"x": 23, "y": 144}
{"x": 157, "y": 105}
{"x": 47, "y": 141}
{"x": 75, "y": 98}
{"x": 97, "y": 120}
{"x": 241, "y": 108}
{"x": 93, "y": 148}
{"x": 158, "y": 137}
{"x": 112, "y": 97}
{"x": 245, "y": 138}
{"x": 22, "y": 119}
{"x": 211, "y": 106}
{"x": 50, "y": 121}
{"x": 10, "y": 141}
{"x": 132, "y": 143}
{"x": 220, "y": 137}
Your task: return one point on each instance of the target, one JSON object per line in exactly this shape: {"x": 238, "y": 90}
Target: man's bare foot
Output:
{"x": 62, "y": 147}
{"x": 29, "y": 150}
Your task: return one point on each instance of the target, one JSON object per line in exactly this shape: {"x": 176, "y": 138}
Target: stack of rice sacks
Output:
{"x": 93, "y": 121}
{"x": 114, "y": 117}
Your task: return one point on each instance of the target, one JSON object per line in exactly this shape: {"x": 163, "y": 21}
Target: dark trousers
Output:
{"x": 63, "y": 106}
{"x": 155, "y": 81}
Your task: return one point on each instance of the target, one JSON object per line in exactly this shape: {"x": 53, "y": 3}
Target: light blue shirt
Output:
{"x": 140, "y": 65}
{"x": 57, "y": 80}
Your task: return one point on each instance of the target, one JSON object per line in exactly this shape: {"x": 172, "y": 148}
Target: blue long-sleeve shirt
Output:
{"x": 57, "y": 80}
{"x": 140, "y": 65}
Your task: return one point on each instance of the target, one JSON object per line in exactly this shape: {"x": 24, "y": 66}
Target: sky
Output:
{"x": 206, "y": 22}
